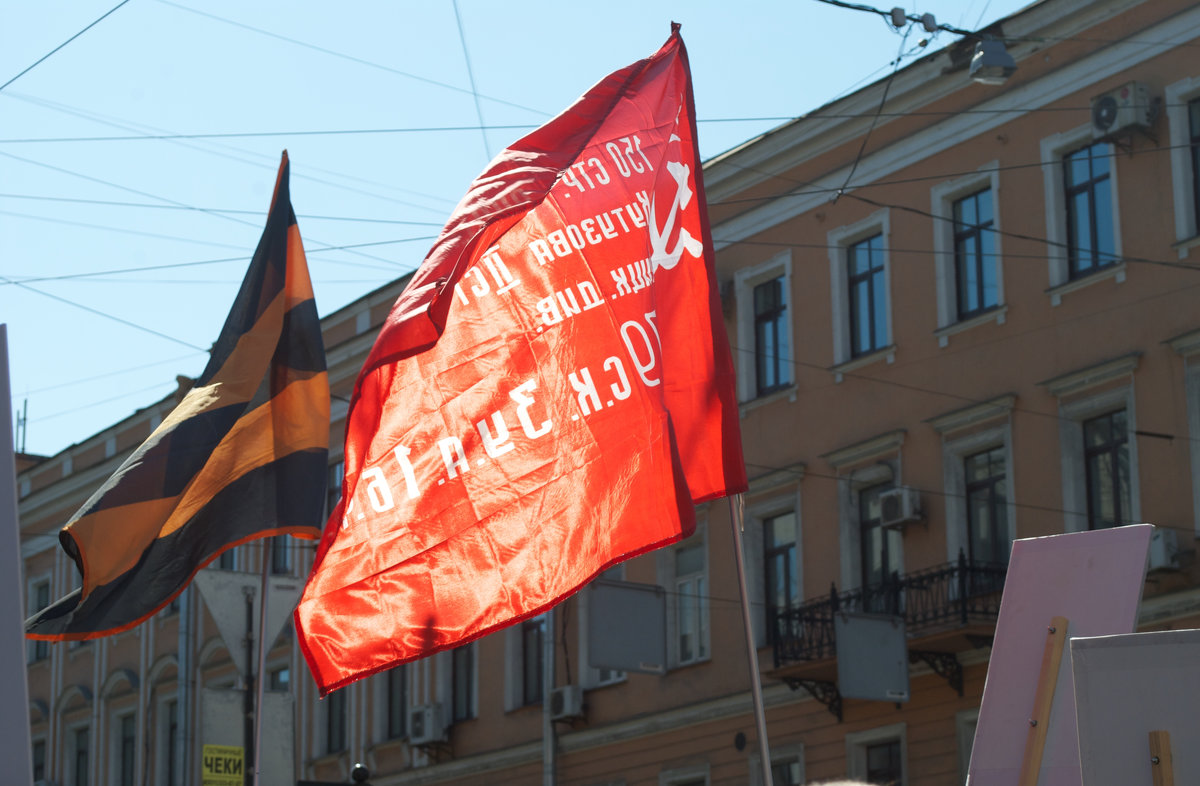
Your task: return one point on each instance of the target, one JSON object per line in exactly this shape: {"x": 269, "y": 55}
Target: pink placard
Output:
{"x": 1094, "y": 579}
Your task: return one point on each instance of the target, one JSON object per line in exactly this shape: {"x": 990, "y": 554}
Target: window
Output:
{"x": 693, "y": 775}
{"x": 1099, "y": 461}
{"x": 127, "y": 751}
{"x": 975, "y": 254}
{"x": 691, "y": 601}
{"x": 80, "y": 764}
{"x": 228, "y": 559}
{"x": 1106, "y": 469}
{"x": 965, "y": 723}
{"x": 333, "y": 489}
{"x": 859, "y": 281}
{"x": 763, "y": 349}
{"x": 1182, "y": 101}
{"x": 593, "y": 676}
{"x": 771, "y": 350}
{"x": 787, "y": 766}
{"x": 883, "y": 763}
{"x": 335, "y": 721}
{"x": 281, "y": 554}
{"x": 878, "y": 756}
{"x": 39, "y": 598}
{"x": 397, "y": 701}
{"x": 782, "y": 585}
{"x": 279, "y": 680}
{"x": 1088, "y": 192}
{"x": 39, "y": 760}
{"x": 1084, "y": 235}
{"x": 868, "y": 298}
{"x": 987, "y": 514}
{"x": 462, "y": 686}
{"x": 533, "y": 634}
{"x": 170, "y": 745}
{"x": 880, "y": 553}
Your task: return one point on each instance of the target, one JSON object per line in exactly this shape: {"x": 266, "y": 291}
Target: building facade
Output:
{"x": 976, "y": 326}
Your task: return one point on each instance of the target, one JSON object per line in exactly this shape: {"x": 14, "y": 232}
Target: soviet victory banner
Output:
{"x": 549, "y": 396}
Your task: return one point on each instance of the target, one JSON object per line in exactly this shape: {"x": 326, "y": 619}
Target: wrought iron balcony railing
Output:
{"x": 944, "y": 597}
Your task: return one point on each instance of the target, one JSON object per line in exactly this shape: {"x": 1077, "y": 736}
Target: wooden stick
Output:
{"x": 1162, "y": 767}
{"x": 1043, "y": 700}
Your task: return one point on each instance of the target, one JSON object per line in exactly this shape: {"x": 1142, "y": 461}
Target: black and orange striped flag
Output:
{"x": 242, "y": 457}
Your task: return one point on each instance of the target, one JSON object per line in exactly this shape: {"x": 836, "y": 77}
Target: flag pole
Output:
{"x": 760, "y": 715}
{"x": 259, "y": 685}
{"x": 548, "y": 735}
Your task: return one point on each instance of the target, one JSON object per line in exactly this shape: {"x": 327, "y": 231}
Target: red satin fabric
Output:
{"x": 548, "y": 397}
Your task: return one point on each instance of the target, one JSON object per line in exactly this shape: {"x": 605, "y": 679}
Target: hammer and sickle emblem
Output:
{"x": 660, "y": 256}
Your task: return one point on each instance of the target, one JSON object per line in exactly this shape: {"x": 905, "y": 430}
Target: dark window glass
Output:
{"x": 81, "y": 740}
{"x": 281, "y": 554}
{"x": 39, "y": 760}
{"x": 463, "y": 670}
{"x": 1089, "y": 209}
{"x": 228, "y": 559}
{"x": 397, "y": 704}
{"x": 786, "y": 773}
{"x": 172, "y": 745}
{"x": 975, "y": 254}
{"x": 335, "y": 721}
{"x": 1106, "y": 463}
{"x": 333, "y": 489}
{"x": 532, "y": 642}
{"x": 868, "y": 299}
{"x": 1194, "y": 133}
{"x": 128, "y": 757}
{"x": 782, "y": 586}
{"x": 280, "y": 680}
{"x": 880, "y": 554}
{"x": 884, "y": 767}
{"x": 987, "y": 517}
{"x": 771, "y": 351}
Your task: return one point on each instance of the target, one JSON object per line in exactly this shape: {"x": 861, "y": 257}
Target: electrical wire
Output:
{"x": 43, "y": 58}
{"x": 462, "y": 37}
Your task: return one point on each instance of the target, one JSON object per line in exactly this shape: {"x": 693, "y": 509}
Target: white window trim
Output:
{"x": 753, "y": 539}
{"x": 884, "y": 453}
{"x": 665, "y": 568}
{"x": 942, "y": 199}
{"x": 589, "y": 675}
{"x": 856, "y": 749}
{"x": 1074, "y": 473}
{"x": 1053, "y": 148}
{"x": 780, "y": 754}
{"x": 839, "y": 240}
{"x": 747, "y": 349}
{"x": 114, "y": 745}
{"x": 68, "y": 766}
{"x": 162, "y": 739}
{"x": 965, "y": 723}
{"x": 954, "y": 453}
{"x": 31, "y": 586}
{"x": 688, "y": 774}
{"x": 1177, "y": 94}
{"x": 445, "y": 683}
{"x": 1188, "y": 345}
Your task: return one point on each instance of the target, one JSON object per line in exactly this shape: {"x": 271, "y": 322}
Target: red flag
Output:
{"x": 548, "y": 396}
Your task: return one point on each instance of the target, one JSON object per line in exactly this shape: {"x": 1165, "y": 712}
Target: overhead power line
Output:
{"x": 43, "y": 58}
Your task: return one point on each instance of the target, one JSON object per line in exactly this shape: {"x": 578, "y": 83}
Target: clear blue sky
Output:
{"x": 159, "y": 67}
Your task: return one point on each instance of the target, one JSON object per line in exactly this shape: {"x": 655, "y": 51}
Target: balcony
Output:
{"x": 946, "y": 609}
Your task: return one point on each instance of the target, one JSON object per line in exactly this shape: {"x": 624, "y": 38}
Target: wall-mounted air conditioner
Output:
{"x": 425, "y": 725}
{"x": 566, "y": 702}
{"x": 1121, "y": 110}
{"x": 899, "y": 506}
{"x": 1164, "y": 549}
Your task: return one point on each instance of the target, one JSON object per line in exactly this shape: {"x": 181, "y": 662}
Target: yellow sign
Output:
{"x": 223, "y": 765}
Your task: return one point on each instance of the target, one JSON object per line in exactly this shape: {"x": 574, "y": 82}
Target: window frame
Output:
{"x": 780, "y": 754}
{"x": 592, "y": 676}
{"x": 37, "y": 651}
{"x": 1053, "y": 148}
{"x": 839, "y": 241}
{"x": 468, "y": 704}
{"x": 1113, "y": 447}
{"x": 966, "y": 724}
{"x": 71, "y": 773}
{"x": 682, "y": 589}
{"x": 395, "y": 727}
{"x": 665, "y": 562}
{"x": 997, "y": 509}
{"x": 857, "y": 743}
{"x": 335, "y": 737}
{"x": 860, "y": 465}
{"x": 1089, "y": 187}
{"x": 746, "y": 354}
{"x": 774, "y": 320}
{"x": 120, "y": 764}
{"x": 870, "y": 281}
{"x": 1185, "y": 185}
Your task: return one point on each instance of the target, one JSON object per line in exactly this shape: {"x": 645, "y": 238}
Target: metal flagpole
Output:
{"x": 260, "y": 686}
{"x": 760, "y": 715}
{"x": 548, "y": 741}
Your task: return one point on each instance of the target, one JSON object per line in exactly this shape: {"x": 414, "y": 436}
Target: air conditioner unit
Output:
{"x": 566, "y": 702}
{"x": 1120, "y": 110}
{"x": 1164, "y": 549}
{"x": 899, "y": 505}
{"x": 425, "y": 725}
